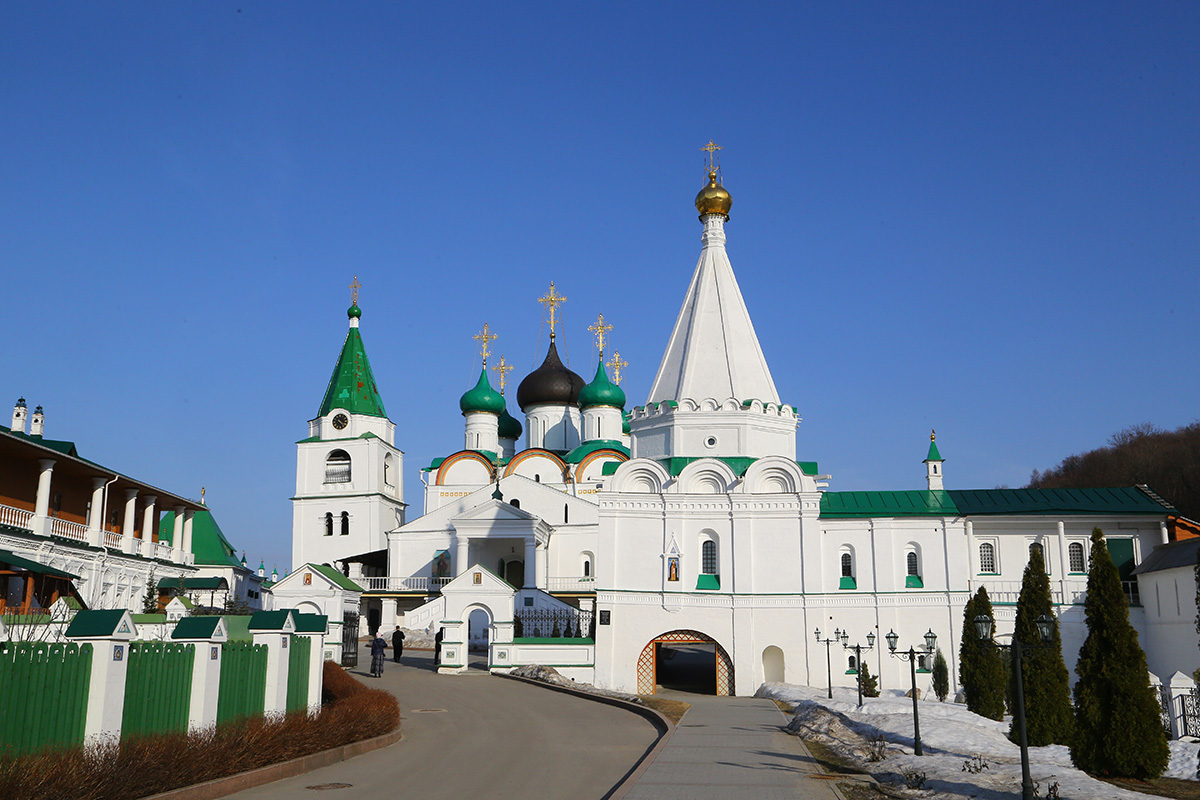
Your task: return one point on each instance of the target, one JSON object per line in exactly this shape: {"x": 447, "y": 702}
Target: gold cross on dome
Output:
{"x": 553, "y": 300}
{"x": 712, "y": 154}
{"x": 354, "y": 287}
{"x": 616, "y": 365}
{"x": 503, "y": 368}
{"x": 599, "y": 328}
{"x": 486, "y": 337}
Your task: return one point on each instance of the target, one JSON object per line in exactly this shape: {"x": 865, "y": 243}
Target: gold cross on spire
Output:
{"x": 712, "y": 154}
{"x": 486, "y": 337}
{"x": 553, "y": 300}
{"x": 503, "y": 368}
{"x": 599, "y": 328}
{"x": 616, "y": 365}
{"x": 354, "y": 287}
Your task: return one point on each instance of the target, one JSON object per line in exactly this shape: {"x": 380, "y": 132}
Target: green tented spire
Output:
{"x": 352, "y": 386}
{"x": 934, "y": 455}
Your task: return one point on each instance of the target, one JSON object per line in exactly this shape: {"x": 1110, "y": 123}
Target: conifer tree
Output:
{"x": 150, "y": 598}
{"x": 1049, "y": 718}
{"x": 1118, "y": 730}
{"x": 941, "y": 676}
{"x": 980, "y": 666}
{"x": 868, "y": 682}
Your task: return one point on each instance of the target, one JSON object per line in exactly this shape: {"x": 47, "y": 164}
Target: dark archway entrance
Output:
{"x": 514, "y": 573}
{"x": 686, "y": 660}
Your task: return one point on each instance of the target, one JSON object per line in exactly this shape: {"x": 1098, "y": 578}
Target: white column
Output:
{"x": 206, "y": 683}
{"x": 130, "y": 522}
{"x": 277, "y": 670}
{"x": 540, "y": 558}
{"x": 41, "y": 513}
{"x": 530, "y": 563}
{"x": 316, "y": 668}
{"x": 1164, "y": 536}
{"x": 149, "y": 525}
{"x": 972, "y": 557}
{"x": 1063, "y": 562}
{"x": 177, "y": 536}
{"x": 106, "y": 688}
{"x": 95, "y": 521}
{"x": 461, "y": 543}
{"x": 187, "y": 536}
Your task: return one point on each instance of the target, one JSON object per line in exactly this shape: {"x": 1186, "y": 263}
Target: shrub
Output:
{"x": 981, "y": 670}
{"x": 146, "y": 765}
{"x": 1049, "y": 718}
{"x": 941, "y": 676}
{"x": 868, "y": 682}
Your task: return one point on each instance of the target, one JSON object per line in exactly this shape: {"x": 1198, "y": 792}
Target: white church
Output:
{"x": 611, "y": 537}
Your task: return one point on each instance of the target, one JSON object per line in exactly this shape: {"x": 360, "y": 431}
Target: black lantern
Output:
{"x": 984, "y": 627}
{"x": 870, "y": 640}
{"x": 930, "y": 640}
{"x": 1045, "y": 626}
{"x": 817, "y": 632}
{"x": 892, "y": 637}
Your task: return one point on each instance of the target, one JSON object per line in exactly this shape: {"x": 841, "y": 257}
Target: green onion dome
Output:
{"x": 553, "y": 383}
{"x": 354, "y": 312}
{"x": 509, "y": 427}
{"x": 482, "y": 398}
{"x": 625, "y": 426}
{"x": 601, "y": 391}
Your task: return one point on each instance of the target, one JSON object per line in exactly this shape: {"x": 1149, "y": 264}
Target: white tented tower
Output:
{"x": 349, "y": 490}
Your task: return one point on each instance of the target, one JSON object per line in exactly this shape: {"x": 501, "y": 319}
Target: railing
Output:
{"x": 113, "y": 539}
{"x": 68, "y": 529}
{"x": 567, "y": 623}
{"x": 572, "y": 584}
{"x": 1008, "y": 592}
{"x": 412, "y": 583}
{"x": 16, "y": 517}
{"x": 135, "y": 546}
{"x": 162, "y": 550}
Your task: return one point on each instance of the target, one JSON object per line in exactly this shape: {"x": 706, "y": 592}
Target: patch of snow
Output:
{"x": 537, "y": 672}
{"x": 951, "y": 737}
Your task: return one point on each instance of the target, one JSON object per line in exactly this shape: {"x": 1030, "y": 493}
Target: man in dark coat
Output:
{"x": 397, "y": 644}
{"x": 378, "y": 646}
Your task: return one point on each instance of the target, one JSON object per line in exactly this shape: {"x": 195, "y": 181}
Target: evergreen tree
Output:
{"x": 150, "y": 599}
{"x": 980, "y": 667}
{"x": 1118, "y": 730}
{"x": 1048, "y": 714}
{"x": 941, "y": 676}
{"x": 868, "y": 682}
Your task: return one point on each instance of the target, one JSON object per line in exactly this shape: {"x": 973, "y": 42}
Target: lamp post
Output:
{"x": 985, "y": 626}
{"x": 858, "y": 648}
{"x": 837, "y": 637}
{"x": 911, "y": 657}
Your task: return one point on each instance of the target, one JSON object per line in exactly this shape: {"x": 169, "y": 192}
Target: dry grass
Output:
{"x": 1162, "y": 787}
{"x": 671, "y": 709}
{"x": 142, "y": 766}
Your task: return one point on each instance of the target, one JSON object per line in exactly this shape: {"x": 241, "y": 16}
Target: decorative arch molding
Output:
{"x": 537, "y": 452}
{"x": 646, "y": 667}
{"x": 640, "y": 475}
{"x": 706, "y": 476}
{"x": 463, "y": 455}
{"x": 776, "y": 475}
{"x": 597, "y": 455}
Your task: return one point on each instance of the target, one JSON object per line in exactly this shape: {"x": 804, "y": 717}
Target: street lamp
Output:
{"x": 858, "y": 648}
{"x": 985, "y": 627}
{"x": 837, "y": 637}
{"x": 911, "y": 657}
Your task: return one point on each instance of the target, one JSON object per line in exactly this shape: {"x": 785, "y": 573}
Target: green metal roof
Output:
{"x": 101, "y": 622}
{"x": 335, "y": 576}
{"x": 808, "y": 467}
{"x": 352, "y": 385}
{"x": 14, "y": 560}
{"x": 577, "y": 455}
{"x": 195, "y": 628}
{"x": 739, "y": 464}
{"x": 482, "y": 397}
{"x": 238, "y": 627}
{"x": 601, "y": 391}
{"x": 887, "y": 504}
{"x": 934, "y": 455}
{"x": 268, "y": 620}
{"x": 1121, "y": 500}
{"x": 212, "y": 583}
{"x": 311, "y": 623}
{"x": 67, "y": 448}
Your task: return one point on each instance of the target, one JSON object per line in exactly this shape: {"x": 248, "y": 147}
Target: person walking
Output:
{"x": 397, "y": 644}
{"x": 378, "y": 646}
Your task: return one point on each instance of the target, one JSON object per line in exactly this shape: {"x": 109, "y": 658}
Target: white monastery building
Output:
{"x": 615, "y": 536}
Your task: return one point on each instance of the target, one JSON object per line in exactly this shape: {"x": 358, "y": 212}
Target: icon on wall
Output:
{"x": 673, "y": 568}
{"x": 441, "y": 564}
{"x": 308, "y": 579}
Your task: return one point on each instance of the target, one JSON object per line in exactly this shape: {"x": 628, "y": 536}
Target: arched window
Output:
{"x": 515, "y": 503}
{"x": 537, "y": 477}
{"x": 912, "y": 569}
{"x": 587, "y": 568}
{"x": 337, "y": 467}
{"x": 846, "y": 560}
{"x": 708, "y": 557}
{"x": 329, "y": 524}
{"x": 851, "y": 664}
{"x": 847, "y": 565}
{"x": 345, "y": 523}
{"x": 564, "y": 513}
{"x": 987, "y": 558}
{"x": 389, "y": 479}
{"x": 911, "y": 563}
{"x": 1042, "y": 552}
{"x": 1075, "y": 551}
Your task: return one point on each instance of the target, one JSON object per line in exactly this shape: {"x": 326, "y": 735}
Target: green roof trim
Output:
{"x": 207, "y": 584}
{"x": 808, "y": 467}
{"x": 708, "y": 582}
{"x": 1121, "y": 500}
{"x": 675, "y": 465}
{"x": 352, "y": 385}
{"x": 196, "y": 628}
{"x": 311, "y": 623}
{"x": 437, "y": 462}
{"x": 609, "y": 468}
{"x": 335, "y": 576}
{"x": 100, "y": 622}
{"x": 14, "y": 560}
{"x": 587, "y": 448}
{"x": 888, "y": 504}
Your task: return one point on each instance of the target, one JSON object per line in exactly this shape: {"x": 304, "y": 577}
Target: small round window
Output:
{"x": 711, "y": 441}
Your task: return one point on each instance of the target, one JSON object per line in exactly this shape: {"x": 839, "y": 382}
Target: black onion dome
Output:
{"x": 550, "y": 384}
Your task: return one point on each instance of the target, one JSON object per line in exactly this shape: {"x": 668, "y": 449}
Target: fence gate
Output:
{"x": 1190, "y": 713}
{"x": 158, "y": 688}
{"x": 243, "y": 688}
{"x": 350, "y": 639}
{"x": 1164, "y": 708}
{"x": 298, "y": 660}
{"x": 43, "y": 694}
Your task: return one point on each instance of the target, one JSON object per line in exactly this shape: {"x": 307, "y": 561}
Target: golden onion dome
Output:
{"x": 713, "y": 199}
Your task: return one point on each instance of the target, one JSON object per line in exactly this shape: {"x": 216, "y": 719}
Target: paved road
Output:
{"x": 730, "y": 748}
{"x": 494, "y": 738}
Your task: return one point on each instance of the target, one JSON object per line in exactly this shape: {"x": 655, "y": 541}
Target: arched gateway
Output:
{"x": 647, "y": 667}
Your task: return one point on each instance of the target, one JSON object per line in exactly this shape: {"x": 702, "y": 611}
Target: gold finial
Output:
{"x": 616, "y": 364}
{"x": 503, "y": 368}
{"x": 553, "y": 300}
{"x": 712, "y": 154}
{"x": 599, "y": 328}
{"x": 201, "y": 495}
{"x": 932, "y": 435}
{"x": 486, "y": 337}
{"x": 354, "y": 287}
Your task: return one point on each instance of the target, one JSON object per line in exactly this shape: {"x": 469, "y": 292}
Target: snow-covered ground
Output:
{"x": 951, "y": 737}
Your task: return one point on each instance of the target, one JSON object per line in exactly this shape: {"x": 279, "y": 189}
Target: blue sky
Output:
{"x": 980, "y": 218}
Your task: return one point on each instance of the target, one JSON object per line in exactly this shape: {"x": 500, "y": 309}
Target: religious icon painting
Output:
{"x": 441, "y": 564}
{"x": 673, "y": 568}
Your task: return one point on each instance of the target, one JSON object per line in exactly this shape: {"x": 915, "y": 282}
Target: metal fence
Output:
{"x": 1189, "y": 713}
{"x": 350, "y": 639}
{"x": 243, "y": 688}
{"x": 298, "y": 660}
{"x": 43, "y": 694}
{"x": 158, "y": 688}
{"x": 1164, "y": 708}
{"x": 553, "y": 623}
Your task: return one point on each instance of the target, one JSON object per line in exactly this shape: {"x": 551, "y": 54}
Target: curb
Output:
{"x": 666, "y": 729}
{"x": 221, "y": 787}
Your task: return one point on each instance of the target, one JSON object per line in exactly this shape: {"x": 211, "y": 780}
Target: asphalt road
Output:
{"x": 478, "y": 735}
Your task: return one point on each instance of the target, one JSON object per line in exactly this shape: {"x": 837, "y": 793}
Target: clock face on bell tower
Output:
{"x": 341, "y": 421}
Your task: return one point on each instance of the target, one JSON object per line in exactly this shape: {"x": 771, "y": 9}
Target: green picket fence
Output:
{"x": 299, "y": 652}
{"x": 158, "y": 688}
{"x": 243, "y": 688}
{"x": 43, "y": 694}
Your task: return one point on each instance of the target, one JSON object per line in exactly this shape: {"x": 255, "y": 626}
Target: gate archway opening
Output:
{"x": 685, "y": 660}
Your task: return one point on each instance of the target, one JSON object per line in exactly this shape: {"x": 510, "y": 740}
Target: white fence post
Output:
{"x": 1180, "y": 686}
{"x": 274, "y": 629}
{"x": 208, "y": 634}
{"x": 313, "y": 628}
{"x": 109, "y": 633}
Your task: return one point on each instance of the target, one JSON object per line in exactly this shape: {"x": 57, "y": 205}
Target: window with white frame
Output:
{"x": 987, "y": 558}
{"x": 337, "y": 467}
{"x": 912, "y": 568}
{"x": 1075, "y": 555}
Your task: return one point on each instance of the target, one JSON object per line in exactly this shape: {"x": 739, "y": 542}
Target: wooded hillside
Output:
{"x": 1166, "y": 461}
